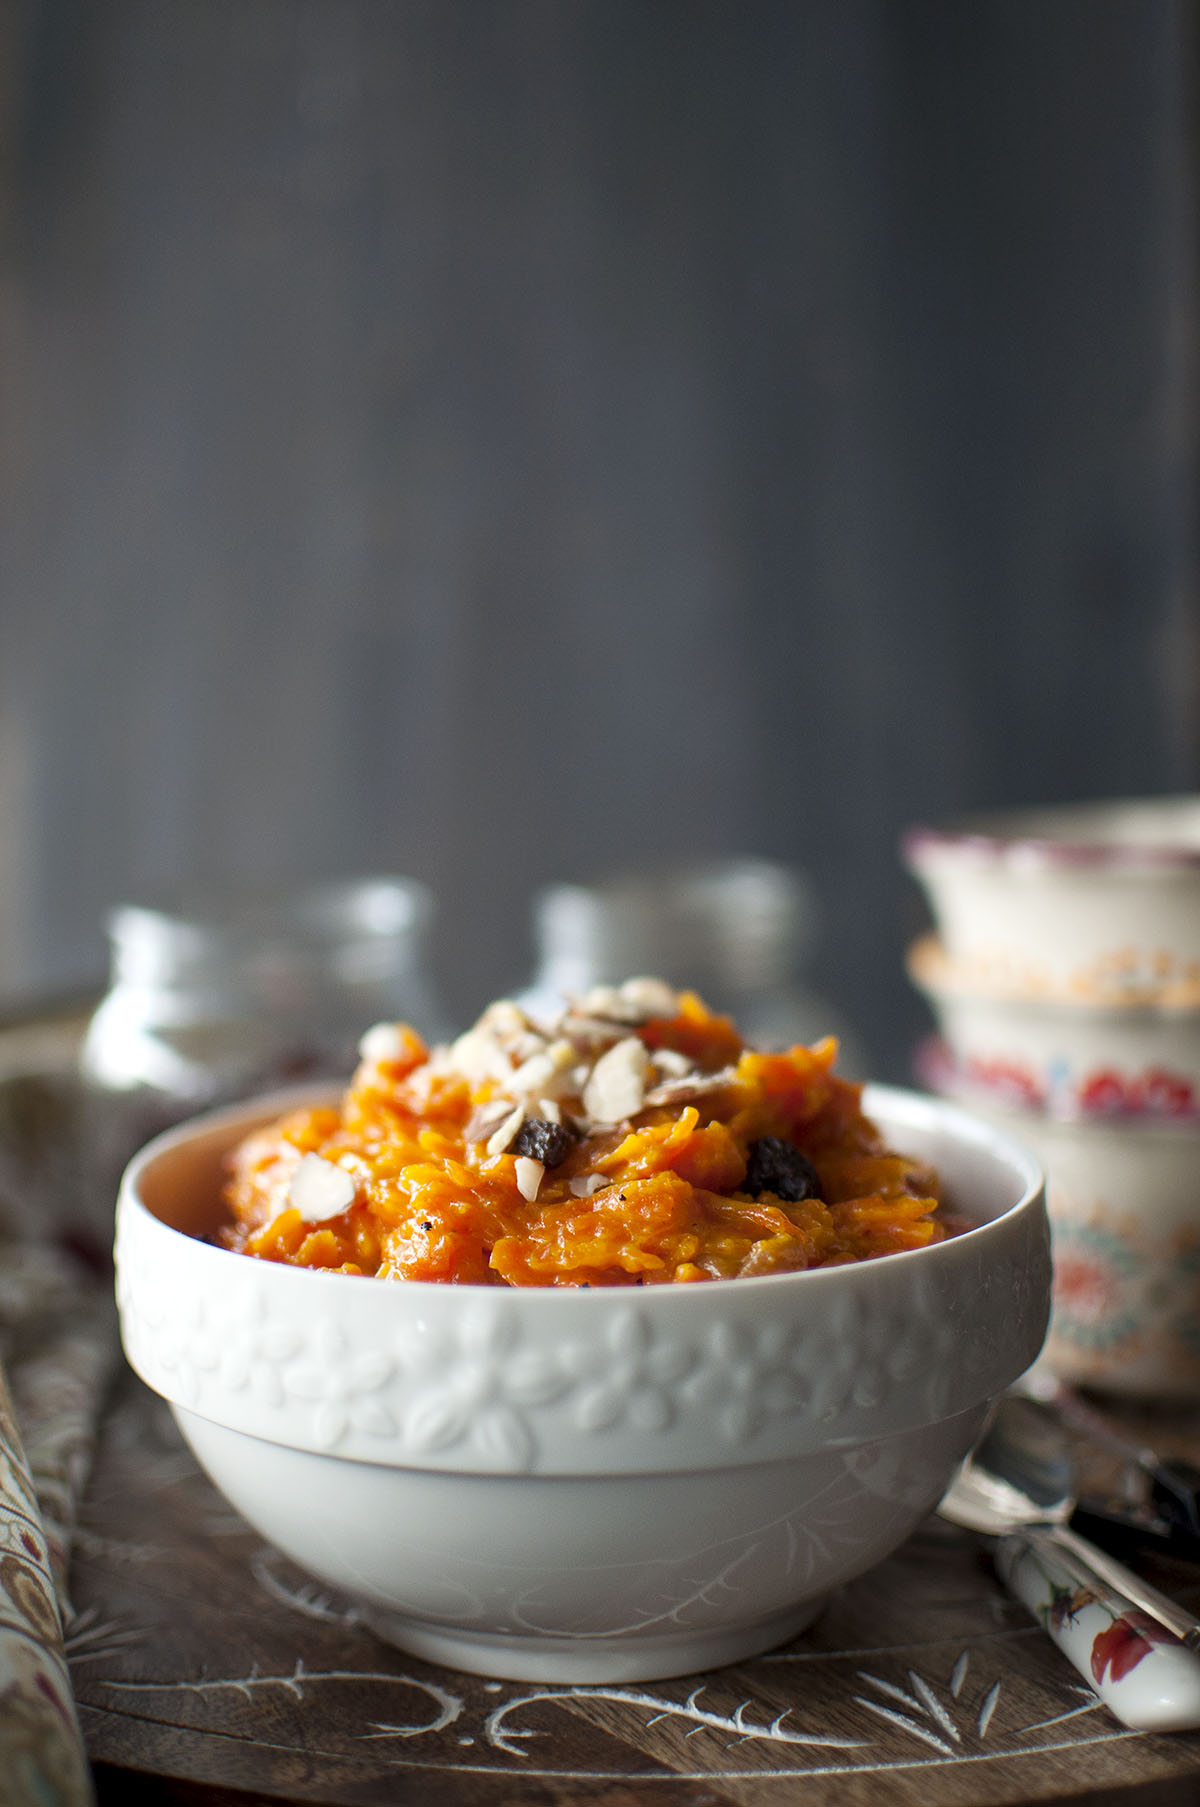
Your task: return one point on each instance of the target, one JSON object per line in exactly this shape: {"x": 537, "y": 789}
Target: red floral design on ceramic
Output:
{"x": 1088, "y": 1288}
{"x": 1104, "y": 1091}
{"x": 1168, "y": 1093}
{"x": 1127, "y": 1640}
{"x": 1157, "y": 1092}
{"x": 1010, "y": 1079}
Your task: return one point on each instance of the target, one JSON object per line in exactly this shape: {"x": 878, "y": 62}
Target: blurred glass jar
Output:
{"x": 224, "y": 999}
{"x": 738, "y": 931}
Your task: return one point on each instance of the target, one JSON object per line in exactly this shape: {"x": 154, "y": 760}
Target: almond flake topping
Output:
{"x": 319, "y": 1189}
{"x": 478, "y": 1055}
{"x": 691, "y": 1085}
{"x": 384, "y": 1041}
{"x": 529, "y": 1176}
{"x": 506, "y": 1019}
{"x": 651, "y": 997}
{"x": 617, "y": 1086}
{"x": 636, "y": 1001}
{"x": 589, "y": 1053}
{"x": 485, "y": 1118}
{"x": 501, "y": 1138}
{"x": 544, "y": 1071}
{"x": 583, "y": 1028}
{"x": 604, "y": 1001}
{"x": 533, "y": 1074}
{"x": 584, "y": 1184}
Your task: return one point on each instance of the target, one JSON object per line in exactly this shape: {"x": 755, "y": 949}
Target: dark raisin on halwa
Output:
{"x": 773, "y": 1165}
{"x": 549, "y": 1143}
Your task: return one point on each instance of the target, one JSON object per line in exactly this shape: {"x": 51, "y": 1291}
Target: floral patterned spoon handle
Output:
{"x": 1145, "y": 1674}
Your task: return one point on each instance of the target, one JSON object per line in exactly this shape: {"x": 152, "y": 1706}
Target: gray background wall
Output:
{"x": 501, "y": 440}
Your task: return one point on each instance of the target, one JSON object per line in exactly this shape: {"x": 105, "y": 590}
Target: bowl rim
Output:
{"x": 1057, "y": 836}
{"x": 925, "y": 1108}
{"x": 621, "y": 1379}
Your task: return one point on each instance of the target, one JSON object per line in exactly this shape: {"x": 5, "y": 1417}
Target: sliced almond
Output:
{"x": 617, "y": 1086}
{"x": 319, "y": 1189}
{"x": 505, "y": 1019}
{"x": 673, "y": 1063}
{"x": 634, "y": 1001}
{"x": 502, "y": 1137}
{"x": 535, "y": 1073}
{"x": 383, "y": 1042}
{"x": 692, "y": 1085}
{"x": 650, "y": 997}
{"x": 479, "y": 1056}
{"x": 603, "y": 1001}
{"x": 529, "y": 1176}
{"x": 486, "y": 1118}
{"x": 582, "y": 1027}
{"x": 564, "y": 1054}
{"x": 584, "y": 1184}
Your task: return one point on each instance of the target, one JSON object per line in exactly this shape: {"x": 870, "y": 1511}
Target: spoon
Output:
{"x": 1160, "y": 1496}
{"x": 1136, "y": 1648}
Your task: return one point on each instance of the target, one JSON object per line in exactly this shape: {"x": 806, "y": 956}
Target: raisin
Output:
{"x": 543, "y": 1141}
{"x": 773, "y": 1165}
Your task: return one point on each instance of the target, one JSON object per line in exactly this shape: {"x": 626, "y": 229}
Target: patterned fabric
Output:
{"x": 57, "y": 1353}
{"x": 56, "y": 1386}
{"x": 41, "y": 1749}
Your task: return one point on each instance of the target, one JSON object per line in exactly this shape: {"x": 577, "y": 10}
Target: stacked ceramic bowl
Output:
{"x": 1064, "y": 977}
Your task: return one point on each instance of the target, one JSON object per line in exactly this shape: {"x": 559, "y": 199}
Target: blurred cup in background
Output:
{"x": 739, "y": 931}
{"x": 217, "y": 999}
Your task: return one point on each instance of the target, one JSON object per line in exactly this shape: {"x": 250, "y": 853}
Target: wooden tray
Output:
{"x": 209, "y": 1670}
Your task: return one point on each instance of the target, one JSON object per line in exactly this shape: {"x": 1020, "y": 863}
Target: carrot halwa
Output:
{"x": 634, "y": 1140}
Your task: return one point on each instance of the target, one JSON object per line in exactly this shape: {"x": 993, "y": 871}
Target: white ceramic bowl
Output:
{"x": 579, "y": 1485}
{"x": 1095, "y": 901}
{"x": 1124, "y": 1203}
{"x": 1066, "y": 1058}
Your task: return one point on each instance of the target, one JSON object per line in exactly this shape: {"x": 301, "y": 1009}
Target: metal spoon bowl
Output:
{"x": 1019, "y": 1473}
{"x": 1132, "y": 1643}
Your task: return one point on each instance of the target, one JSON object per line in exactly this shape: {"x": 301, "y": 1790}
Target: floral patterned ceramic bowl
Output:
{"x": 567, "y": 1485}
{"x": 1064, "y": 1058}
{"x": 1096, "y": 902}
{"x": 1124, "y": 1202}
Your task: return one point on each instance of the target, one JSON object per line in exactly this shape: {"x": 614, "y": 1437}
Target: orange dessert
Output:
{"x": 634, "y": 1140}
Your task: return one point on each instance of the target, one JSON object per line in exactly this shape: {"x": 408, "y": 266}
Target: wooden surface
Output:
{"x": 208, "y": 1670}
